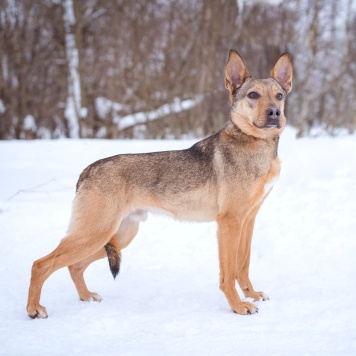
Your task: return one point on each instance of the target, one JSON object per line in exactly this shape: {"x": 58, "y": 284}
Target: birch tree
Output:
{"x": 75, "y": 111}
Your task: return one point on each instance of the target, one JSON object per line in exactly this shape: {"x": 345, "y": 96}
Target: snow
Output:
{"x": 29, "y": 123}
{"x": 166, "y": 299}
{"x": 83, "y": 112}
{"x": 176, "y": 106}
{"x": 105, "y": 106}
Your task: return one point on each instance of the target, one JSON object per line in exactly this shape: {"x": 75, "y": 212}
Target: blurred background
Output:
{"x": 155, "y": 68}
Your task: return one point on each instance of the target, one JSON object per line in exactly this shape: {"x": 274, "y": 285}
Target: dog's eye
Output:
{"x": 279, "y": 96}
{"x": 253, "y": 95}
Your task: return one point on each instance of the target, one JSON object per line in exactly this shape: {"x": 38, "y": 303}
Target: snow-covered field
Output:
{"x": 166, "y": 300}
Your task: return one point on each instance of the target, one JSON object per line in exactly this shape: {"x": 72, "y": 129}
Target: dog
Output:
{"x": 225, "y": 177}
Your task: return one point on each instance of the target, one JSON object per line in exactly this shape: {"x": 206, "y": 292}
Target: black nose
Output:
{"x": 272, "y": 114}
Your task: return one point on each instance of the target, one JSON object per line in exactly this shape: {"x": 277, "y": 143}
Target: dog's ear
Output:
{"x": 235, "y": 72}
{"x": 282, "y": 72}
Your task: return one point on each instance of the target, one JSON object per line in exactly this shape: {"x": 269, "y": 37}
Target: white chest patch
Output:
{"x": 268, "y": 186}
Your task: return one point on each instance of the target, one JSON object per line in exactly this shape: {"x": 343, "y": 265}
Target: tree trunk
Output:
{"x": 75, "y": 111}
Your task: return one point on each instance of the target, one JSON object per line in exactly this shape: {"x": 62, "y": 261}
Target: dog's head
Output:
{"x": 258, "y": 104}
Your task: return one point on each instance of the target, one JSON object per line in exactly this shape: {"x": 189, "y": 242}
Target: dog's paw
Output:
{"x": 37, "y": 312}
{"x": 245, "y": 308}
{"x": 91, "y": 297}
{"x": 256, "y": 296}
{"x": 263, "y": 296}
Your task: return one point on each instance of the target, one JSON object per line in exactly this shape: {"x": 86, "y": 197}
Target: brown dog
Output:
{"x": 224, "y": 177}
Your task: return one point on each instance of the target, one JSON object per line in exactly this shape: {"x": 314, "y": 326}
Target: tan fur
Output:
{"x": 225, "y": 178}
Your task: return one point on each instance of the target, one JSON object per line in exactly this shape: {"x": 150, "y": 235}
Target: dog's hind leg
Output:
{"x": 127, "y": 231}
{"x": 243, "y": 259}
{"x": 68, "y": 252}
{"x": 95, "y": 220}
{"x": 77, "y": 270}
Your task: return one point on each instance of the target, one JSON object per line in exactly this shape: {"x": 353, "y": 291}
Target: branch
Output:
{"x": 164, "y": 110}
{"x": 33, "y": 189}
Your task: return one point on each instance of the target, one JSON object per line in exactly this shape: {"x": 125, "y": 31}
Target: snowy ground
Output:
{"x": 166, "y": 300}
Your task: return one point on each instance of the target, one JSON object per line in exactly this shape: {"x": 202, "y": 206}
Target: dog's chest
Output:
{"x": 270, "y": 179}
{"x": 268, "y": 187}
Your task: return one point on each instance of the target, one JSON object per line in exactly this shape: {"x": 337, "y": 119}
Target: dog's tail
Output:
{"x": 114, "y": 256}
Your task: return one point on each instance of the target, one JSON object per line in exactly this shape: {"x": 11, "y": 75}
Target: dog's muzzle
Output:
{"x": 273, "y": 115}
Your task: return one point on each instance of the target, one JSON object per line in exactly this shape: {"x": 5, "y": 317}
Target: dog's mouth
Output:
{"x": 272, "y": 126}
{"x": 268, "y": 125}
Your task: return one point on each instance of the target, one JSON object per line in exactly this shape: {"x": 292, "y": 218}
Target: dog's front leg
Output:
{"x": 243, "y": 259}
{"x": 229, "y": 235}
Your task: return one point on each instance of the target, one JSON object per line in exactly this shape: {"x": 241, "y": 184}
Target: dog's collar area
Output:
{"x": 230, "y": 119}
{"x": 233, "y": 124}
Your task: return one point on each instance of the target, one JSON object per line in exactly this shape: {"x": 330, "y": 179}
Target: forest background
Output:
{"x": 155, "y": 68}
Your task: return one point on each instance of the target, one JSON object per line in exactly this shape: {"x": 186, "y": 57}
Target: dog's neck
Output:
{"x": 236, "y": 131}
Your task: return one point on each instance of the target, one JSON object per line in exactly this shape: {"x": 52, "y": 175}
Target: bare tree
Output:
{"x": 32, "y": 84}
{"x": 154, "y": 69}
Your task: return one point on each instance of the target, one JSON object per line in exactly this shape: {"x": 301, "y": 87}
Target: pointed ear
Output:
{"x": 282, "y": 72}
{"x": 235, "y": 72}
